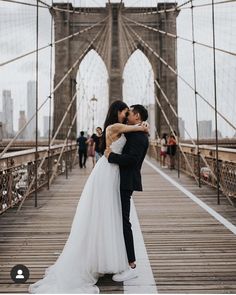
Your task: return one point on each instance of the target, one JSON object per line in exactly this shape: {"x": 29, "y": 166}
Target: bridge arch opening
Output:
{"x": 138, "y": 85}
{"x": 92, "y": 93}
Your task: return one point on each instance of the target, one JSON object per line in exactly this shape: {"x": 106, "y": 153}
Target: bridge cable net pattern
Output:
{"x": 200, "y": 98}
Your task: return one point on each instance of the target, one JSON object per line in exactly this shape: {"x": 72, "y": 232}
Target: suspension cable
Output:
{"x": 50, "y": 102}
{"x": 36, "y": 107}
{"x": 61, "y": 123}
{"x": 73, "y": 11}
{"x": 58, "y": 160}
{"x": 183, "y": 6}
{"x": 216, "y": 107}
{"x": 47, "y": 6}
{"x": 54, "y": 43}
{"x": 175, "y": 72}
{"x": 24, "y": 3}
{"x": 179, "y": 37}
{"x": 195, "y": 93}
{"x": 176, "y": 115}
{"x": 51, "y": 144}
{"x": 137, "y": 77}
{"x": 53, "y": 91}
{"x": 172, "y": 130}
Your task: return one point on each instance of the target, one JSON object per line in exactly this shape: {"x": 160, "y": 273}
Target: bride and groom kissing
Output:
{"x": 101, "y": 238}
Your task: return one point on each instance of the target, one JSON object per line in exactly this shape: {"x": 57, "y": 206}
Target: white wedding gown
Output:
{"x": 96, "y": 243}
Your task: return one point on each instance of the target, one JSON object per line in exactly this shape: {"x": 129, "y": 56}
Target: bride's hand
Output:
{"x": 145, "y": 125}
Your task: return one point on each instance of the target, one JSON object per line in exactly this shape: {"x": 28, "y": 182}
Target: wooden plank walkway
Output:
{"x": 189, "y": 250}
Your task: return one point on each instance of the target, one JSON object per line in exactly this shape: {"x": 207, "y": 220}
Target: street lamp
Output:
{"x": 93, "y": 100}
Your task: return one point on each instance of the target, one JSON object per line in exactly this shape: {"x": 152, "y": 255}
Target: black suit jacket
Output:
{"x": 131, "y": 159}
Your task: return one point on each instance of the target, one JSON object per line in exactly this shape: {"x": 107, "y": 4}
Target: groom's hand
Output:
{"x": 107, "y": 152}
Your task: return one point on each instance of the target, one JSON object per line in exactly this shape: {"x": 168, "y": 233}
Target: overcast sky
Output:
{"x": 17, "y": 36}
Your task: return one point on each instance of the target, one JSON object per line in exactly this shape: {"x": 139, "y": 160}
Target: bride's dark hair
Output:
{"x": 112, "y": 118}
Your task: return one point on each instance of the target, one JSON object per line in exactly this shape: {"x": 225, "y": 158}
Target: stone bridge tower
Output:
{"x": 115, "y": 52}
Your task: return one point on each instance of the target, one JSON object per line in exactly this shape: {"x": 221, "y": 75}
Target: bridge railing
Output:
{"x": 227, "y": 165}
{"x": 17, "y": 170}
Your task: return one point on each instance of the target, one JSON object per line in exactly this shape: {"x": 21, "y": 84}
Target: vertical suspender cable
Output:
{"x": 50, "y": 106}
{"x": 195, "y": 95}
{"x": 36, "y": 106}
{"x": 178, "y": 131}
{"x": 68, "y": 64}
{"x": 215, "y": 96}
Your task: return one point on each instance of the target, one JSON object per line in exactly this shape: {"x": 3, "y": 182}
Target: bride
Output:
{"x": 95, "y": 245}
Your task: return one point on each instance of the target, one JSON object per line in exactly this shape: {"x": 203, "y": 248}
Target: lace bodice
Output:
{"x": 117, "y": 146}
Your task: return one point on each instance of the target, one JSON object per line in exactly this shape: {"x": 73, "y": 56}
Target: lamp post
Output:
{"x": 93, "y": 100}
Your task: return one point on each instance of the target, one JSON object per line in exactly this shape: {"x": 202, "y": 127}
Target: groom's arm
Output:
{"x": 136, "y": 149}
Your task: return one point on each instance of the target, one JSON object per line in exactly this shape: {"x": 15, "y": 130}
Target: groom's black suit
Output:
{"x": 130, "y": 163}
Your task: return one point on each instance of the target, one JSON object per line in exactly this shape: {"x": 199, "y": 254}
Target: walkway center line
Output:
{"x": 145, "y": 282}
{"x": 211, "y": 211}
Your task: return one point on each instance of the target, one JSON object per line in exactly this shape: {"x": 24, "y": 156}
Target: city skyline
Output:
{"x": 6, "y": 116}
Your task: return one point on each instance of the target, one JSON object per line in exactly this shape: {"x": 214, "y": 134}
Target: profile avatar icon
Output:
{"x": 19, "y": 273}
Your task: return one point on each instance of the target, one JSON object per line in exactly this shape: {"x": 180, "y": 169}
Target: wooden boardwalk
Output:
{"x": 188, "y": 249}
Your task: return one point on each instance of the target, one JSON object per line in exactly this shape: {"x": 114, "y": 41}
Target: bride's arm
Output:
{"x": 119, "y": 128}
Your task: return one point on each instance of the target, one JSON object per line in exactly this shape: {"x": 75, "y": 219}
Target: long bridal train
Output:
{"x": 96, "y": 243}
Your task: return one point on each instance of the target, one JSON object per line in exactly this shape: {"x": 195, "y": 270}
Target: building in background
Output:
{"x": 205, "y": 129}
{"x": 181, "y": 128}
{"x": 213, "y": 135}
{"x": 2, "y": 127}
{"x": 7, "y": 113}
{"x": 152, "y": 120}
{"x": 1, "y": 132}
{"x": 46, "y": 125}
{"x": 21, "y": 122}
{"x": 31, "y": 109}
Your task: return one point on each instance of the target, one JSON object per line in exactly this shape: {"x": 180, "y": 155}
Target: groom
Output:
{"x": 130, "y": 163}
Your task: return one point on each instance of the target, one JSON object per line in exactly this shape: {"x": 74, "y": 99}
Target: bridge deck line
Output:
{"x": 186, "y": 249}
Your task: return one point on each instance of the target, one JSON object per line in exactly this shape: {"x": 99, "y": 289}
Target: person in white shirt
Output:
{"x": 163, "y": 153}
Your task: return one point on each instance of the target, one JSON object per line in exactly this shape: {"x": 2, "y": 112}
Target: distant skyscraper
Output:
{"x": 7, "y": 109}
{"x": 46, "y": 126}
{"x": 151, "y": 119}
{"x": 31, "y": 109}
{"x": 21, "y": 122}
{"x": 2, "y": 126}
{"x": 181, "y": 128}
{"x": 205, "y": 129}
{"x": 213, "y": 135}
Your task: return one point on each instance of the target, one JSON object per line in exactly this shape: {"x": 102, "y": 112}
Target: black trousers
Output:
{"x": 127, "y": 227}
{"x": 82, "y": 158}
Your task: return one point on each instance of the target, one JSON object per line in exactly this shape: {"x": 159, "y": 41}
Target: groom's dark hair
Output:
{"x": 140, "y": 109}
